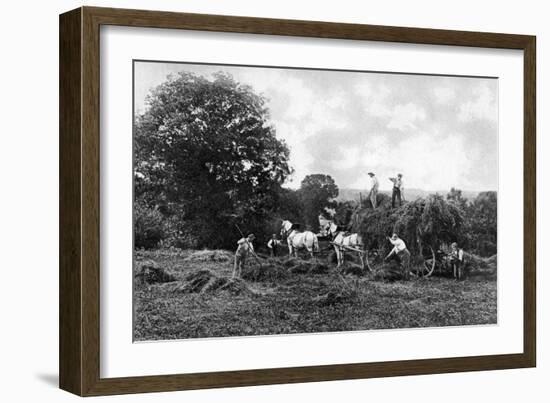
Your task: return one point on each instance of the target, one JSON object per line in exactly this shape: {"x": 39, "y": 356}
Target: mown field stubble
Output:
{"x": 190, "y": 294}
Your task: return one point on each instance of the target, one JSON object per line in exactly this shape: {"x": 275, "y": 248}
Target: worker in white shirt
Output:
{"x": 273, "y": 245}
{"x": 402, "y": 253}
{"x": 374, "y": 189}
{"x": 457, "y": 260}
{"x": 244, "y": 248}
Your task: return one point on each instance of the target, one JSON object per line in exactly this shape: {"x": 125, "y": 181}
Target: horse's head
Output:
{"x": 286, "y": 226}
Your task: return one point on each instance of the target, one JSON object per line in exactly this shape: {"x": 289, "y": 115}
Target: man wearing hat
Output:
{"x": 400, "y": 250}
{"x": 244, "y": 248}
{"x": 374, "y": 189}
{"x": 397, "y": 192}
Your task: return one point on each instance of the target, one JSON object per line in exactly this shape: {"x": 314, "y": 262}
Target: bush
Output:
{"x": 148, "y": 226}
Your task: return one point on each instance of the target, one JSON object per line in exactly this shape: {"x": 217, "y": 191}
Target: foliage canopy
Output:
{"x": 205, "y": 152}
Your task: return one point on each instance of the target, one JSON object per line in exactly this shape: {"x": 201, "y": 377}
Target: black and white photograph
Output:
{"x": 275, "y": 201}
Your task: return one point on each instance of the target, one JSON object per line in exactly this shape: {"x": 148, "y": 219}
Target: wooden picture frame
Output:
{"x": 79, "y": 348}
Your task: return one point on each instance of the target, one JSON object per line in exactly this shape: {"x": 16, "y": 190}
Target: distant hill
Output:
{"x": 410, "y": 194}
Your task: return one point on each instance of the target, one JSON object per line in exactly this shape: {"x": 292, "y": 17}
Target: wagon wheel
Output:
{"x": 428, "y": 264}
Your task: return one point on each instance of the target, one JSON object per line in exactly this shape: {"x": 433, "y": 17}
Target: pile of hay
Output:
{"x": 348, "y": 293}
{"x": 206, "y": 282}
{"x": 149, "y": 272}
{"x": 207, "y": 255}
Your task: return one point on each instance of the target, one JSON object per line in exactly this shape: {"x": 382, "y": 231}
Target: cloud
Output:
{"x": 481, "y": 107}
{"x": 434, "y": 164}
{"x": 404, "y": 117}
{"x": 438, "y": 131}
{"x": 349, "y": 158}
{"x": 444, "y": 95}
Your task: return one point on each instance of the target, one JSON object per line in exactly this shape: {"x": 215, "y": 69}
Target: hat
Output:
{"x": 394, "y": 237}
{"x": 400, "y": 175}
{"x": 370, "y": 173}
{"x": 251, "y": 236}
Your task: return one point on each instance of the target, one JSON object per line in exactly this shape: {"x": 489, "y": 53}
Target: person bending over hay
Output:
{"x": 401, "y": 252}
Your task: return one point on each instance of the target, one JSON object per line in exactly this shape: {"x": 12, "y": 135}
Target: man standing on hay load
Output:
{"x": 397, "y": 192}
{"x": 244, "y": 248}
{"x": 402, "y": 253}
{"x": 374, "y": 189}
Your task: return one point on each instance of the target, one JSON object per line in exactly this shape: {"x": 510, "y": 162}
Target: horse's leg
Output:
{"x": 311, "y": 248}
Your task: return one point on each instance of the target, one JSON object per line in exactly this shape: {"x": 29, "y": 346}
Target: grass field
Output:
{"x": 194, "y": 298}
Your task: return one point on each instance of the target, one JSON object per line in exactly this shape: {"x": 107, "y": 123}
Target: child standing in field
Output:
{"x": 457, "y": 260}
{"x": 244, "y": 248}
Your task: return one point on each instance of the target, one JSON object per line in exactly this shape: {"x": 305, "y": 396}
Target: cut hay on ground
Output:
{"x": 270, "y": 270}
{"x": 206, "y": 282}
{"x": 273, "y": 270}
{"x": 348, "y": 292}
{"x": 216, "y": 255}
{"x": 353, "y": 268}
{"x": 191, "y": 307}
{"x": 389, "y": 272}
{"x": 309, "y": 267}
{"x": 300, "y": 266}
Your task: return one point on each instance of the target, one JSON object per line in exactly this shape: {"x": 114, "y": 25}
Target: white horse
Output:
{"x": 299, "y": 240}
{"x": 342, "y": 241}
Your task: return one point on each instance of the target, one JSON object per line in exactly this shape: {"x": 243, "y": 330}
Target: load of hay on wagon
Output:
{"x": 427, "y": 225}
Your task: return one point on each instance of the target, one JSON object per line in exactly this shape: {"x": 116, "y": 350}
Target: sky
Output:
{"x": 438, "y": 131}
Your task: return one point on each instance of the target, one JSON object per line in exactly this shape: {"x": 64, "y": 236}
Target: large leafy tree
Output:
{"x": 317, "y": 193}
{"x": 205, "y": 153}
